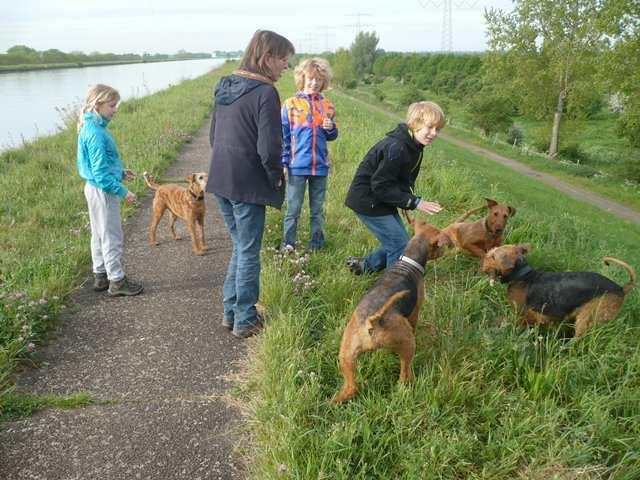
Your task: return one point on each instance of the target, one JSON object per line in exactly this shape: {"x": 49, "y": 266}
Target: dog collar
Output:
{"x": 412, "y": 262}
{"x": 521, "y": 270}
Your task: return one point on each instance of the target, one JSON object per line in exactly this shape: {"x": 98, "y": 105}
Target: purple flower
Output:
{"x": 282, "y": 468}
{"x": 43, "y": 301}
{"x": 31, "y": 346}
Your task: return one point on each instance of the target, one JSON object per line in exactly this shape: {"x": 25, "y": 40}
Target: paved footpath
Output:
{"x": 161, "y": 359}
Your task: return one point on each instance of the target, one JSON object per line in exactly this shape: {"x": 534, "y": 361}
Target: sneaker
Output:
{"x": 356, "y": 265}
{"x": 252, "y": 330}
{"x": 100, "y": 282}
{"x": 124, "y": 287}
{"x": 227, "y": 323}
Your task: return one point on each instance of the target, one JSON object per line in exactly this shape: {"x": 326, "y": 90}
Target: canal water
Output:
{"x": 32, "y": 102}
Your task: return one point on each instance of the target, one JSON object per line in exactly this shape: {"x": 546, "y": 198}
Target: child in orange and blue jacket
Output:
{"x": 307, "y": 125}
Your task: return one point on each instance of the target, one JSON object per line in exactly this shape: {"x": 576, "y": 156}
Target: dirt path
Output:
{"x": 615, "y": 208}
{"x": 161, "y": 360}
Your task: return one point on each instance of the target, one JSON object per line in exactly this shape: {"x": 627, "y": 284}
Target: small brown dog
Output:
{"x": 387, "y": 314}
{"x": 478, "y": 237}
{"x": 186, "y": 203}
{"x": 588, "y": 298}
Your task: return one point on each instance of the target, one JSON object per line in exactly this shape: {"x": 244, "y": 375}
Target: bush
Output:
{"x": 378, "y": 94}
{"x": 574, "y": 153}
{"x": 628, "y": 124}
{"x": 410, "y": 94}
{"x": 491, "y": 113}
{"x": 351, "y": 84}
{"x": 514, "y": 135}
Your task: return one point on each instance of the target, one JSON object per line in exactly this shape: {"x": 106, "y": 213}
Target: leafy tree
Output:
{"x": 544, "y": 54}
{"x": 343, "y": 71}
{"x": 363, "y": 51}
{"x": 620, "y": 69}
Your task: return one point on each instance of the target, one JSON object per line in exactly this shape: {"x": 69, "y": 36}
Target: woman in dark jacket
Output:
{"x": 384, "y": 182}
{"x": 245, "y": 172}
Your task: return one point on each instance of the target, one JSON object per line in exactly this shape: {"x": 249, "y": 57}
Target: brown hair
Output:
{"x": 316, "y": 67}
{"x": 265, "y": 44}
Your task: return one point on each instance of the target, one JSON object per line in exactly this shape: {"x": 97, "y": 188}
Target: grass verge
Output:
{"x": 490, "y": 400}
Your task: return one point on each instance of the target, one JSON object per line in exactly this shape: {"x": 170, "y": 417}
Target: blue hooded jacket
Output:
{"x": 98, "y": 160}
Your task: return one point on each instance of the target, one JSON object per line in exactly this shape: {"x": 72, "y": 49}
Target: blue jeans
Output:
{"x": 295, "y": 197}
{"x": 241, "y": 288}
{"x": 392, "y": 235}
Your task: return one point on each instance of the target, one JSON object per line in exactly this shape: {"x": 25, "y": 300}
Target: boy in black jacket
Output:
{"x": 384, "y": 182}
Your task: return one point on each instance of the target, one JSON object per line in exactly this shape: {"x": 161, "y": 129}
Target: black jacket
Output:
{"x": 246, "y": 141}
{"x": 386, "y": 176}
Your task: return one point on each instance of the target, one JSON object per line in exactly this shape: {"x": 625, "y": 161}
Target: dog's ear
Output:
{"x": 524, "y": 248}
{"x": 512, "y": 211}
{"x": 491, "y": 202}
{"x": 191, "y": 178}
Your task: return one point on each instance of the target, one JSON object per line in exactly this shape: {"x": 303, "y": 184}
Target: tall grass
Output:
{"x": 489, "y": 400}
{"x": 44, "y": 239}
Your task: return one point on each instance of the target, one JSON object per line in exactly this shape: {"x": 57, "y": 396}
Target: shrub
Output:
{"x": 574, "y": 153}
{"x": 378, "y": 94}
{"x": 491, "y": 113}
{"x": 410, "y": 94}
{"x": 514, "y": 135}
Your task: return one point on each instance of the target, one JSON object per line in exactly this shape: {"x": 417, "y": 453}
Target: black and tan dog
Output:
{"x": 477, "y": 238}
{"x": 387, "y": 314}
{"x": 186, "y": 203}
{"x": 587, "y": 298}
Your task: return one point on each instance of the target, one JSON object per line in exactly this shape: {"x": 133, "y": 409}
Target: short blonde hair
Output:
{"x": 422, "y": 114}
{"x": 97, "y": 95}
{"x": 316, "y": 67}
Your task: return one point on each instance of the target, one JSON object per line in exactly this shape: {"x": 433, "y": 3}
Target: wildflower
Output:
{"x": 25, "y": 327}
{"x": 45, "y": 317}
{"x": 31, "y": 346}
{"x": 19, "y": 295}
{"x": 32, "y": 303}
{"x": 56, "y": 297}
{"x": 43, "y": 301}
{"x": 282, "y": 468}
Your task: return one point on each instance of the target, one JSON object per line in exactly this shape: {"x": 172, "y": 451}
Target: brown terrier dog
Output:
{"x": 387, "y": 314}
{"x": 478, "y": 237}
{"x": 588, "y": 298}
{"x": 186, "y": 203}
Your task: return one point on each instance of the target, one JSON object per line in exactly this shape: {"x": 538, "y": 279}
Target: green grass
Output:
{"x": 19, "y": 406}
{"x": 489, "y": 400}
{"x": 44, "y": 248}
{"x": 611, "y": 167}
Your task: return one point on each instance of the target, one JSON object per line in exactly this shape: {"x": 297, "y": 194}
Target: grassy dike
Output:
{"x": 489, "y": 400}
{"x": 44, "y": 239}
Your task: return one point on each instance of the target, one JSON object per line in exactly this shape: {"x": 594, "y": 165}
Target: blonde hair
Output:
{"x": 265, "y": 44}
{"x": 97, "y": 95}
{"x": 316, "y": 67}
{"x": 422, "y": 114}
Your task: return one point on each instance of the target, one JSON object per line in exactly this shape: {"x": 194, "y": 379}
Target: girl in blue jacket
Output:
{"x": 307, "y": 125}
{"x": 100, "y": 166}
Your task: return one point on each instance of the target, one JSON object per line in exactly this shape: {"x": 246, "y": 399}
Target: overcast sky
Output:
{"x": 166, "y": 26}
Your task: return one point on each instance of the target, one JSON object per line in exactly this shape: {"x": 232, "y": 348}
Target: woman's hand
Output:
{"x": 429, "y": 207}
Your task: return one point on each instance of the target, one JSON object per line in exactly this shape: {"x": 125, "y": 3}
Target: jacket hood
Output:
{"x": 401, "y": 133}
{"x": 232, "y": 87}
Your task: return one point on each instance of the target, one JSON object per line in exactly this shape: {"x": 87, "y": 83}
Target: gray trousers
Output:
{"x": 107, "y": 238}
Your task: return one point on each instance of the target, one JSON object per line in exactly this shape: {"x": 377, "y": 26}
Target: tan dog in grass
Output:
{"x": 587, "y": 298}
{"x": 477, "y": 238}
{"x": 186, "y": 203}
{"x": 387, "y": 314}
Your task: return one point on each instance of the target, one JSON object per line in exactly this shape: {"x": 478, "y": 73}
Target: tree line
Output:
{"x": 547, "y": 59}
{"x": 24, "y": 55}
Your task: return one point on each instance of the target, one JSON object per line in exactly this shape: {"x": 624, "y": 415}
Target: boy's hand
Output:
{"x": 129, "y": 175}
{"x": 130, "y": 197}
{"x": 429, "y": 207}
{"x": 327, "y": 123}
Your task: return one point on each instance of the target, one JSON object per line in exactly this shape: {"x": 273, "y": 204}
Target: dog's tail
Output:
{"x": 375, "y": 318}
{"x": 468, "y": 213}
{"x": 628, "y": 268}
{"x": 149, "y": 180}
